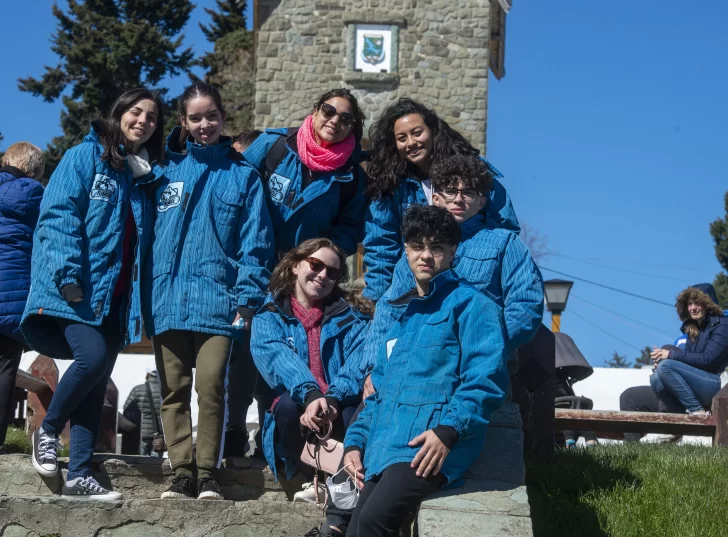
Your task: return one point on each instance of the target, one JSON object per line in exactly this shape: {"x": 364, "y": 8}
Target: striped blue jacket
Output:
{"x": 497, "y": 263}
{"x": 306, "y": 204}
{"x": 279, "y": 346}
{"x": 78, "y": 240}
{"x": 213, "y": 246}
{"x": 443, "y": 363}
{"x": 383, "y": 245}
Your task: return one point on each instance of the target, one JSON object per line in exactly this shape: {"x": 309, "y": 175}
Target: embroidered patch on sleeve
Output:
{"x": 278, "y": 187}
{"x": 104, "y": 189}
{"x": 171, "y": 196}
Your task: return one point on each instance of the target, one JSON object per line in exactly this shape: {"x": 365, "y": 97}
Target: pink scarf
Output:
{"x": 322, "y": 159}
{"x": 311, "y": 321}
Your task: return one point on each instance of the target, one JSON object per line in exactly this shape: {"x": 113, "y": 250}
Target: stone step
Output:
{"x": 37, "y": 516}
{"x": 138, "y": 477}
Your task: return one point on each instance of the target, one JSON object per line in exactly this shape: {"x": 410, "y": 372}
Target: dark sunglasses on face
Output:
{"x": 345, "y": 118}
{"x": 332, "y": 273}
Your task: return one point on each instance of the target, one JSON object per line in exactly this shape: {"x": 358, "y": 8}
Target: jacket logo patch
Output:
{"x": 278, "y": 187}
{"x": 289, "y": 341}
{"x": 104, "y": 189}
{"x": 171, "y": 196}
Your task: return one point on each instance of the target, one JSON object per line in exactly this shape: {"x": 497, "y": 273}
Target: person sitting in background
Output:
{"x": 687, "y": 379}
{"x": 148, "y": 398}
{"x": 20, "y": 197}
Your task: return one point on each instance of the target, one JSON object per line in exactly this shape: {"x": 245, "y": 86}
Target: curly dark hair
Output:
{"x": 469, "y": 170}
{"x": 386, "y": 168}
{"x": 356, "y": 111}
{"x": 283, "y": 281}
{"x": 429, "y": 223}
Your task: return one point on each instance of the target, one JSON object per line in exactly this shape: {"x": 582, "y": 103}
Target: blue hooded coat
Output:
{"x": 443, "y": 364}
{"x": 20, "y": 199}
{"x": 383, "y": 245}
{"x": 213, "y": 247}
{"x": 79, "y": 241}
{"x": 307, "y": 204}
{"x": 279, "y": 346}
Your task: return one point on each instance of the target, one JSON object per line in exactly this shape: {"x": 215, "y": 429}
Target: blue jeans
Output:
{"x": 682, "y": 387}
{"x": 80, "y": 394}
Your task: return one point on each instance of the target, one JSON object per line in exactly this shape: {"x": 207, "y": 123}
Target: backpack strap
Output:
{"x": 155, "y": 418}
{"x": 276, "y": 153}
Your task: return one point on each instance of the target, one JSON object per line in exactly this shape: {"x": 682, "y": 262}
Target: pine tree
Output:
{"x": 106, "y": 47}
{"x": 231, "y": 66}
{"x": 617, "y": 360}
{"x": 719, "y": 231}
{"x": 643, "y": 359}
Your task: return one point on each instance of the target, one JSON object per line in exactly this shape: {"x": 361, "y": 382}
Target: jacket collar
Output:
{"x": 449, "y": 277}
{"x": 12, "y": 170}
{"x": 201, "y": 153}
{"x": 474, "y": 224}
{"x": 711, "y": 320}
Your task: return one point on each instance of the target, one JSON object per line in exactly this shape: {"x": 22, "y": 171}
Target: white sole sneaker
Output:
{"x": 108, "y": 497}
{"x": 46, "y": 470}
{"x": 209, "y": 495}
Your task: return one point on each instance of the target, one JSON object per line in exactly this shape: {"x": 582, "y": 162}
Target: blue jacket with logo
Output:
{"x": 213, "y": 246}
{"x": 279, "y": 346}
{"x": 383, "y": 244}
{"x": 306, "y": 204}
{"x": 443, "y": 364}
{"x": 78, "y": 240}
{"x": 497, "y": 263}
{"x": 20, "y": 199}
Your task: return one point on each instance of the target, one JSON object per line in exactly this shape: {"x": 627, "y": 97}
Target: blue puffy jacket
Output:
{"x": 213, "y": 246}
{"x": 306, "y": 204}
{"x": 279, "y": 346}
{"x": 78, "y": 240}
{"x": 497, "y": 263}
{"x": 20, "y": 199}
{"x": 710, "y": 351}
{"x": 443, "y": 364}
{"x": 383, "y": 245}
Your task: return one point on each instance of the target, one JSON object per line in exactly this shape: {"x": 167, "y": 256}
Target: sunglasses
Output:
{"x": 332, "y": 273}
{"x": 345, "y": 118}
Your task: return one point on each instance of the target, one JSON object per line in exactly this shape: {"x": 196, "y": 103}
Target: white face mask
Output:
{"x": 343, "y": 495}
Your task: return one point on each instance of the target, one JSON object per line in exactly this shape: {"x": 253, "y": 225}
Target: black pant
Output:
{"x": 639, "y": 399}
{"x": 10, "y": 353}
{"x": 387, "y": 499}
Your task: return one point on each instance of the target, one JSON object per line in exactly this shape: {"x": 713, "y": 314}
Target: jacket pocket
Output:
{"x": 418, "y": 410}
{"x": 435, "y": 330}
{"x": 478, "y": 264}
{"x": 227, "y": 203}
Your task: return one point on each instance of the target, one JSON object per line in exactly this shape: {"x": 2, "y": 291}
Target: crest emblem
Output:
{"x": 170, "y": 197}
{"x": 373, "y": 49}
{"x": 291, "y": 343}
{"x": 277, "y": 187}
{"x": 104, "y": 189}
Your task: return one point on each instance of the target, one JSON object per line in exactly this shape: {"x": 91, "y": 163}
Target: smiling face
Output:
{"x": 327, "y": 124}
{"x": 203, "y": 120}
{"x": 414, "y": 140}
{"x": 138, "y": 123}
{"x": 311, "y": 285}
{"x": 696, "y": 311}
{"x": 428, "y": 259}
{"x": 463, "y": 203}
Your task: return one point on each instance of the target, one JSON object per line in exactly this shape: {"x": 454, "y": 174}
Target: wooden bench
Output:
{"x": 613, "y": 424}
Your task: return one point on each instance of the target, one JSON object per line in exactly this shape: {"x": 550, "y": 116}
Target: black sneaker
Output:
{"x": 183, "y": 486}
{"x": 45, "y": 459}
{"x": 209, "y": 489}
{"x": 236, "y": 442}
{"x": 87, "y": 488}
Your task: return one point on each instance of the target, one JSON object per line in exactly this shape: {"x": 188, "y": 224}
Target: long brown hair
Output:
{"x": 283, "y": 280}
{"x": 692, "y": 294}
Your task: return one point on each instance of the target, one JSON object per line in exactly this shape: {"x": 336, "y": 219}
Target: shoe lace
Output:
{"x": 93, "y": 485}
{"x": 47, "y": 447}
{"x": 176, "y": 479}
{"x": 207, "y": 481}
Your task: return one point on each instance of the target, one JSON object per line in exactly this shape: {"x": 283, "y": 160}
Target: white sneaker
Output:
{"x": 87, "y": 488}
{"x": 700, "y": 413}
{"x": 655, "y": 438}
{"x": 45, "y": 459}
{"x": 308, "y": 494}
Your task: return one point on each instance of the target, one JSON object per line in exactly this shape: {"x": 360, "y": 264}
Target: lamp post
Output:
{"x": 556, "y": 293}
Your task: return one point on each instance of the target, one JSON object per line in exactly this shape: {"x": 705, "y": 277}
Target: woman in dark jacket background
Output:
{"x": 687, "y": 379}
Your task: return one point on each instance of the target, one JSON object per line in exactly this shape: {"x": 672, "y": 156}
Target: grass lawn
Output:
{"x": 16, "y": 441}
{"x": 632, "y": 490}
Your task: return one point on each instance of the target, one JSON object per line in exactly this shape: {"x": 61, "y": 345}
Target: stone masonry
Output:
{"x": 443, "y": 58}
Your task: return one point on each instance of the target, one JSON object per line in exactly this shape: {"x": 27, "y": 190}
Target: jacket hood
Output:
{"x": 698, "y": 294}
{"x": 709, "y": 290}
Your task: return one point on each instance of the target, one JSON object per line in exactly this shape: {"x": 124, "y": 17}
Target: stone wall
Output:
{"x": 443, "y": 59}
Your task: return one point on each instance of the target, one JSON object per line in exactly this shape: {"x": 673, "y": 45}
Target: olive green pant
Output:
{"x": 177, "y": 352}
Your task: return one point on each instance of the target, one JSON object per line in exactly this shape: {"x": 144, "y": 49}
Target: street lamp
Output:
{"x": 557, "y": 293}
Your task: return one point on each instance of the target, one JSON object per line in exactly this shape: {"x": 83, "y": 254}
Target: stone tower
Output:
{"x": 435, "y": 51}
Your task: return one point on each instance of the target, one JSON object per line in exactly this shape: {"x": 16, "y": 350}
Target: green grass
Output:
{"x": 632, "y": 490}
{"x": 16, "y": 441}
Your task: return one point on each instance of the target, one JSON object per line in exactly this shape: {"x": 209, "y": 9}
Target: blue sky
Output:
{"x": 610, "y": 127}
